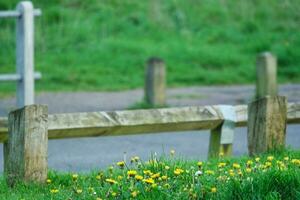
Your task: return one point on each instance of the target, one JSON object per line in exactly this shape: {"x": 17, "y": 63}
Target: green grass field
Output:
{"x": 271, "y": 176}
{"x": 103, "y": 45}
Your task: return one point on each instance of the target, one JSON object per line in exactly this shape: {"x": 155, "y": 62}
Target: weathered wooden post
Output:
{"x": 266, "y": 75}
{"x": 155, "y": 82}
{"x": 266, "y": 124}
{"x": 26, "y": 149}
{"x": 221, "y": 138}
{"x": 25, "y": 53}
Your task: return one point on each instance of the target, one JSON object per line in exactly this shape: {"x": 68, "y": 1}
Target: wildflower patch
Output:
{"x": 275, "y": 176}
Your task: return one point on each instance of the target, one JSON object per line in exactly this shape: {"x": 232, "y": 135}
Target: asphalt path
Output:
{"x": 85, "y": 154}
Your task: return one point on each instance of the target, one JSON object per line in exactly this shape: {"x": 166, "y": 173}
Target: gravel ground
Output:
{"x": 90, "y": 153}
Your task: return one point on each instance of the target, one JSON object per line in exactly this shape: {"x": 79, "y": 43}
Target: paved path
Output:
{"x": 90, "y": 153}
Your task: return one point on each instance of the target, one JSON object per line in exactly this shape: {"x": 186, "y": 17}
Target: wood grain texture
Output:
{"x": 27, "y": 145}
{"x": 133, "y": 122}
{"x": 221, "y": 137}
{"x": 186, "y": 118}
{"x": 266, "y": 75}
{"x": 216, "y": 146}
{"x": 155, "y": 82}
{"x": 267, "y": 124}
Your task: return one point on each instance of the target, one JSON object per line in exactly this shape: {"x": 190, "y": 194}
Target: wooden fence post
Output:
{"x": 221, "y": 138}
{"x": 26, "y": 151}
{"x": 155, "y": 82}
{"x": 25, "y": 54}
{"x": 266, "y": 75}
{"x": 267, "y": 119}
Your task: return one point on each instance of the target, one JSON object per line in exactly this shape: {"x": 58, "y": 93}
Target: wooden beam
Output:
{"x": 133, "y": 122}
{"x": 221, "y": 137}
{"x": 27, "y": 145}
{"x": 266, "y": 75}
{"x": 267, "y": 124}
{"x": 155, "y": 82}
{"x": 142, "y": 121}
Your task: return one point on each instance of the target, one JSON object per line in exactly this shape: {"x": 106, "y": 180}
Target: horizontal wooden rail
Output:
{"x": 91, "y": 124}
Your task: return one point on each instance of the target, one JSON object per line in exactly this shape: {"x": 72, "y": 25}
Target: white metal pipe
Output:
{"x": 15, "y": 13}
{"x": 17, "y": 77}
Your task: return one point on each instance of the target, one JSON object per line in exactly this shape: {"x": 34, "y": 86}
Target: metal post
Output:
{"x": 25, "y": 54}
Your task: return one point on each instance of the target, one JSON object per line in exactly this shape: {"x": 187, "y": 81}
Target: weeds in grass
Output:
{"x": 275, "y": 176}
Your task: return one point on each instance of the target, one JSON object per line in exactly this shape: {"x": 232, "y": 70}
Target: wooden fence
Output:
{"x": 25, "y": 75}
{"x": 25, "y": 133}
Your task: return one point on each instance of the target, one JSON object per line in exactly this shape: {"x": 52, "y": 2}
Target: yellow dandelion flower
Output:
{"x": 147, "y": 172}
{"x": 248, "y": 170}
{"x": 231, "y": 172}
{"x": 240, "y": 172}
{"x": 134, "y": 194}
{"x": 49, "y": 181}
{"x": 120, "y": 177}
{"x": 138, "y": 177}
{"x": 135, "y": 159}
{"x": 79, "y": 191}
{"x": 167, "y": 185}
{"x": 154, "y": 185}
{"x": 221, "y": 154}
{"x": 209, "y": 172}
{"x": 164, "y": 178}
{"x": 149, "y": 180}
{"x": 257, "y": 159}
{"x": 199, "y": 164}
{"x": 236, "y": 166}
{"x": 296, "y": 161}
{"x": 154, "y": 176}
{"x": 286, "y": 158}
{"x": 121, "y": 164}
{"x": 270, "y": 158}
{"x": 54, "y": 191}
{"x": 98, "y": 177}
{"x": 282, "y": 167}
{"x": 111, "y": 181}
{"x": 113, "y": 194}
{"x": 131, "y": 173}
{"x": 221, "y": 164}
{"x": 268, "y": 164}
{"x": 213, "y": 189}
{"x": 75, "y": 177}
{"x": 249, "y": 162}
{"x": 178, "y": 171}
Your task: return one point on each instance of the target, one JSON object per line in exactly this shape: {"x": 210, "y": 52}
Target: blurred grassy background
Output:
{"x": 103, "y": 45}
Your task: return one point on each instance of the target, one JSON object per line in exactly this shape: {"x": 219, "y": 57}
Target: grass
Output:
{"x": 271, "y": 176}
{"x": 103, "y": 45}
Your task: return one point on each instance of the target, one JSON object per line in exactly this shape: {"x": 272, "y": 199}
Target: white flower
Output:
{"x": 198, "y": 173}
